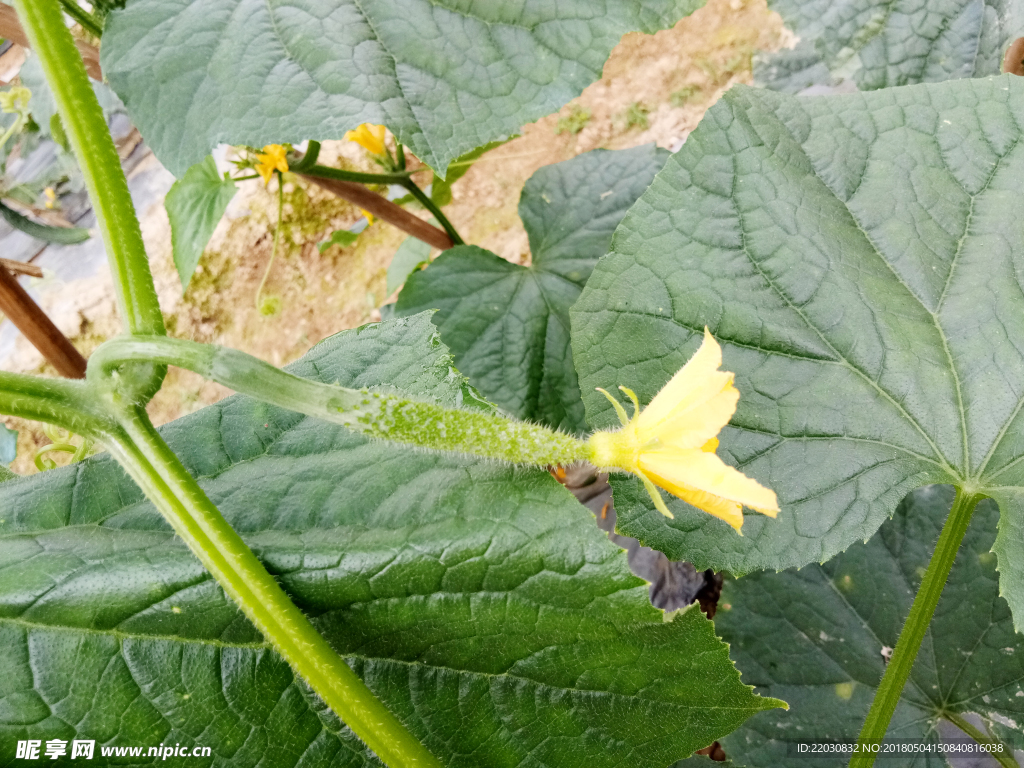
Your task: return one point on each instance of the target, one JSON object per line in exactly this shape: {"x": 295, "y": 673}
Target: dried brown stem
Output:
{"x": 384, "y": 209}
{"x": 38, "y": 328}
{"x": 22, "y": 268}
{"x": 10, "y": 29}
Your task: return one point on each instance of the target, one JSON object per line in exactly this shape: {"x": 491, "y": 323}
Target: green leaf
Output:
{"x": 8, "y": 444}
{"x": 815, "y": 637}
{"x": 410, "y": 254}
{"x": 342, "y": 238}
{"x": 441, "y": 186}
{"x": 508, "y": 325}
{"x": 440, "y": 191}
{"x": 460, "y": 166}
{"x": 479, "y": 601}
{"x": 445, "y": 77}
{"x": 195, "y": 205}
{"x": 858, "y": 257}
{"x": 46, "y": 232}
{"x": 882, "y": 44}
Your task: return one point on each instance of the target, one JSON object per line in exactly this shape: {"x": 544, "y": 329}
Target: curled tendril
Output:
{"x": 61, "y": 440}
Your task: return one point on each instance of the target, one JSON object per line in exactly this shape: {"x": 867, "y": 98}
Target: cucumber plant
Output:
{"x": 361, "y": 560}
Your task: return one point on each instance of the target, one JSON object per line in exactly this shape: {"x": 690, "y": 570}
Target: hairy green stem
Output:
{"x": 139, "y": 449}
{"x": 79, "y": 14}
{"x": 63, "y": 402}
{"x": 375, "y": 414}
{"x": 1001, "y": 753}
{"x": 86, "y": 130}
{"x": 324, "y": 172}
{"x": 429, "y": 204}
{"x": 308, "y": 160}
{"x": 896, "y": 673}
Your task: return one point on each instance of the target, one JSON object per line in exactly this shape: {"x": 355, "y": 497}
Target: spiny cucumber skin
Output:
{"x": 475, "y": 433}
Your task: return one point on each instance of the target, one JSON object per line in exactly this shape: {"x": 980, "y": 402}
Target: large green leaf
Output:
{"x": 881, "y": 43}
{"x": 445, "y": 76}
{"x": 507, "y": 325}
{"x": 480, "y": 602}
{"x": 860, "y": 259}
{"x": 195, "y": 205}
{"x": 815, "y": 637}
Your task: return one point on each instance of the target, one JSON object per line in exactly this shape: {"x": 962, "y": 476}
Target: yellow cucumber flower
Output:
{"x": 370, "y": 137}
{"x": 271, "y": 159}
{"x": 370, "y": 218}
{"x": 15, "y": 100}
{"x": 672, "y": 442}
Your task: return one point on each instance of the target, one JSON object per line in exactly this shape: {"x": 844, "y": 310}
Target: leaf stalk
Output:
{"x": 902, "y": 662}
{"x": 1003, "y": 755}
{"x": 83, "y": 17}
{"x": 431, "y": 206}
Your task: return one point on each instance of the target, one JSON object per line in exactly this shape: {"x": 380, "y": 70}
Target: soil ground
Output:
{"x": 654, "y": 88}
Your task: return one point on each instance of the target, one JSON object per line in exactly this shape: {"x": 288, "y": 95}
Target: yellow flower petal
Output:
{"x": 723, "y": 509}
{"x": 671, "y": 444}
{"x": 370, "y": 137}
{"x": 271, "y": 159}
{"x": 695, "y": 404}
{"x": 369, "y": 216}
{"x": 693, "y": 427}
{"x": 687, "y": 470}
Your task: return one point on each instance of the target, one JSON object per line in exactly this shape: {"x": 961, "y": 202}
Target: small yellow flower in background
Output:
{"x": 271, "y": 159}
{"x": 370, "y": 218}
{"x": 672, "y": 442}
{"x": 370, "y": 137}
{"x": 15, "y": 100}
{"x": 51, "y": 197}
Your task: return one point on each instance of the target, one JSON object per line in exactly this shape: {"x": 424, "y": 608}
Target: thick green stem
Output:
{"x": 375, "y": 414}
{"x": 1001, "y": 753}
{"x": 154, "y": 467}
{"x": 87, "y": 132}
{"x": 64, "y": 402}
{"x": 896, "y": 673}
{"x": 429, "y": 204}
